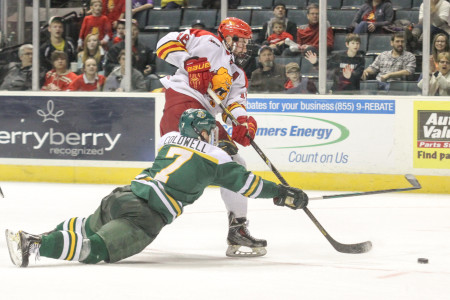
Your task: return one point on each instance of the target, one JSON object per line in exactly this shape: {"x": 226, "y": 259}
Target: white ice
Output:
{"x": 187, "y": 260}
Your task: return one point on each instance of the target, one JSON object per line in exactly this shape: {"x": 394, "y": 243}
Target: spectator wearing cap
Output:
{"x": 279, "y": 14}
{"x": 56, "y": 41}
{"x": 198, "y": 24}
{"x": 269, "y": 77}
{"x": 296, "y": 84}
{"x": 144, "y": 56}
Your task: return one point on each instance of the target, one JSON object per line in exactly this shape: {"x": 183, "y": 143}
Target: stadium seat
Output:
{"x": 401, "y": 4}
{"x": 416, "y": 4}
{"x": 163, "y": 19}
{"x": 352, "y": 4}
{"x": 378, "y": 43}
{"x": 295, "y": 4}
{"x": 194, "y": 4}
{"x": 208, "y": 16}
{"x": 298, "y": 16}
{"x": 141, "y": 18}
{"x": 368, "y": 61}
{"x": 369, "y": 87}
{"x": 339, "y": 42}
{"x": 340, "y": 19}
{"x": 331, "y": 4}
{"x": 255, "y": 4}
{"x": 307, "y": 69}
{"x": 149, "y": 39}
{"x": 284, "y": 60}
{"x": 156, "y": 4}
{"x": 259, "y": 17}
{"x": 404, "y": 88}
{"x": 163, "y": 68}
{"x": 243, "y": 14}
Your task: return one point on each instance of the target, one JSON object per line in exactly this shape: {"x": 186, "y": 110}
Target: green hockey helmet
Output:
{"x": 194, "y": 121}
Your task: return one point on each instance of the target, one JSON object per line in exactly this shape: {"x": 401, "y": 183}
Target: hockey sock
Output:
{"x": 98, "y": 251}
{"x": 62, "y": 245}
{"x": 73, "y": 224}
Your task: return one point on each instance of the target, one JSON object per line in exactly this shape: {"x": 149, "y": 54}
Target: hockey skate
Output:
{"x": 21, "y": 245}
{"x": 239, "y": 236}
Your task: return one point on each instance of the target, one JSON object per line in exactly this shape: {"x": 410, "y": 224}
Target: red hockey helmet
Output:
{"x": 234, "y": 27}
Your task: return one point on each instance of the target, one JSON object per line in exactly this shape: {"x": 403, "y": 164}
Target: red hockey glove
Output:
{"x": 198, "y": 72}
{"x": 244, "y": 132}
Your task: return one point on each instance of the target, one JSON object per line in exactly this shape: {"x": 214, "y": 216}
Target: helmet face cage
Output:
{"x": 194, "y": 121}
{"x": 236, "y": 28}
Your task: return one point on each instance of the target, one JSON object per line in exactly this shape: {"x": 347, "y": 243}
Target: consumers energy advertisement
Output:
{"x": 432, "y": 134}
{"x": 329, "y": 135}
{"x": 76, "y": 128}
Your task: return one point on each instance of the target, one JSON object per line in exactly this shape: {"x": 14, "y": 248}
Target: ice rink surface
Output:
{"x": 187, "y": 260}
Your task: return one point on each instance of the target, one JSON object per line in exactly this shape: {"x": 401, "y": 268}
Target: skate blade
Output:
{"x": 14, "y": 247}
{"x": 239, "y": 251}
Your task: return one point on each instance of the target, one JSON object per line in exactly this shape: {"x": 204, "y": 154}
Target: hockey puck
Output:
{"x": 422, "y": 260}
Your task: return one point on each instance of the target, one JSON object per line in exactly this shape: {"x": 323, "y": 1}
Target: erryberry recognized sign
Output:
{"x": 97, "y": 128}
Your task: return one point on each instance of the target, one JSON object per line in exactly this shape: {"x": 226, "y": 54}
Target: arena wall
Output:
{"x": 318, "y": 142}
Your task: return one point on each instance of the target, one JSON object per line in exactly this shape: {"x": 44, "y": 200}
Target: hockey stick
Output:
{"x": 344, "y": 248}
{"x": 411, "y": 179}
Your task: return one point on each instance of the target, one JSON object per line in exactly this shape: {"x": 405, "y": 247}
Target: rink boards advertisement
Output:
{"x": 77, "y": 128}
{"x": 323, "y": 135}
{"x": 431, "y": 135}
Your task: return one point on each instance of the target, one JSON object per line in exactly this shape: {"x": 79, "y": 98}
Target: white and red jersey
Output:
{"x": 176, "y": 47}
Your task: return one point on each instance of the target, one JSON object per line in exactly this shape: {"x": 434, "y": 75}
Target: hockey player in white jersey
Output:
{"x": 206, "y": 60}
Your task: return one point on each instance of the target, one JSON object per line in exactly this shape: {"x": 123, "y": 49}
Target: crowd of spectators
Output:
{"x": 70, "y": 66}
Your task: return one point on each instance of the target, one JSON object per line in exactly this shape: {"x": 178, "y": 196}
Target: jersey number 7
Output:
{"x": 183, "y": 156}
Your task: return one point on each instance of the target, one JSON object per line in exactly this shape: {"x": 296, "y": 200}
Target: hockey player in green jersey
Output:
{"x": 131, "y": 217}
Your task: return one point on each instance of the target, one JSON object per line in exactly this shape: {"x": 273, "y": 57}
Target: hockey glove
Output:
{"x": 198, "y": 73}
{"x": 245, "y": 131}
{"x": 291, "y": 197}
{"x": 228, "y": 146}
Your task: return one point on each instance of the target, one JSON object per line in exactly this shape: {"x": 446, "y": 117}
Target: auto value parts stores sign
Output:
{"x": 77, "y": 128}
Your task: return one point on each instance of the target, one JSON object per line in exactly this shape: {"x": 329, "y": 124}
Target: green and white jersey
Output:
{"x": 182, "y": 170}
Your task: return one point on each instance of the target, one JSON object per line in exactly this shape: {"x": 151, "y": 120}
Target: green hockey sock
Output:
{"x": 62, "y": 245}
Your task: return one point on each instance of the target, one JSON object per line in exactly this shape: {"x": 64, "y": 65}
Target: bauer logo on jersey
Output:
{"x": 221, "y": 82}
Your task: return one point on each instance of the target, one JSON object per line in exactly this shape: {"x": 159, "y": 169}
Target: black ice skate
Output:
{"x": 239, "y": 236}
{"x": 21, "y": 245}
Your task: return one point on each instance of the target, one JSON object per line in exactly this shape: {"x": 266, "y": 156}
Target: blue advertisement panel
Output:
{"x": 84, "y": 128}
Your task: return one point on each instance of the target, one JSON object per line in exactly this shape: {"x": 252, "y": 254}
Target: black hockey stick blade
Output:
{"x": 1, "y": 193}
{"x": 343, "y": 248}
{"x": 415, "y": 185}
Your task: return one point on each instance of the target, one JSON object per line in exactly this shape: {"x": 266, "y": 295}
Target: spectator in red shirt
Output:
{"x": 113, "y": 9}
{"x": 95, "y": 24}
{"x": 90, "y": 80}
{"x": 277, "y": 38}
{"x": 59, "y": 78}
{"x": 308, "y": 35}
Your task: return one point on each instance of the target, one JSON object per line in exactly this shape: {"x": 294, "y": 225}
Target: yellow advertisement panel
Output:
{"x": 432, "y": 134}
